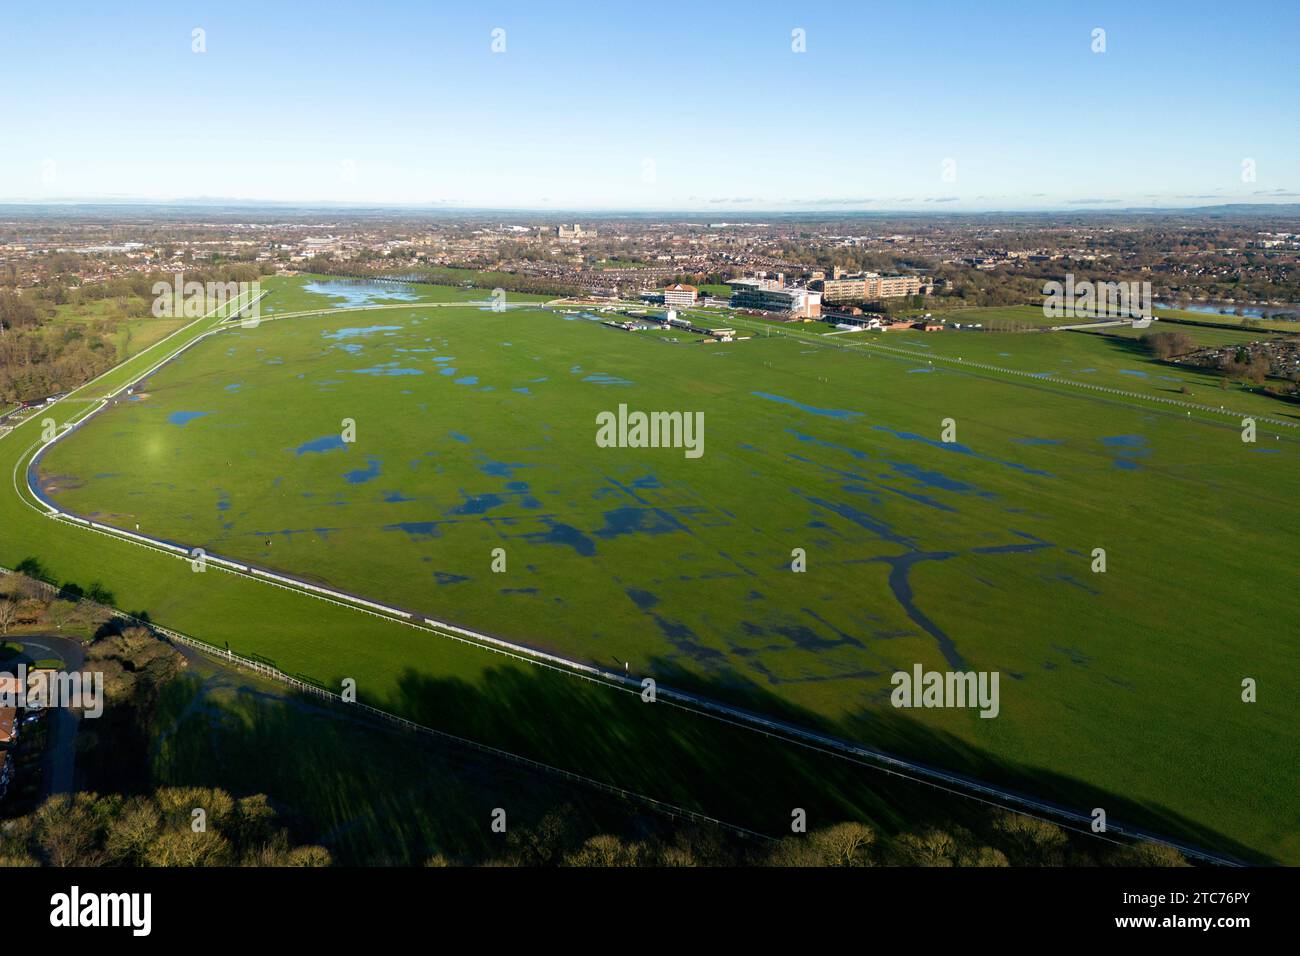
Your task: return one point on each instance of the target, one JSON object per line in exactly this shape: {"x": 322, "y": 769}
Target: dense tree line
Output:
{"x": 1165, "y": 345}
{"x": 42, "y": 354}
{"x": 1002, "y": 838}
{"x": 1245, "y": 365}
{"x": 158, "y": 829}
{"x": 35, "y": 364}
{"x": 1249, "y": 365}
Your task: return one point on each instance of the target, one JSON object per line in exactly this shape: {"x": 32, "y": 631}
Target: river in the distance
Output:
{"x": 1288, "y": 312}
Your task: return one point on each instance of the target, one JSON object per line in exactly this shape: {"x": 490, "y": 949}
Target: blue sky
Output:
{"x": 654, "y": 106}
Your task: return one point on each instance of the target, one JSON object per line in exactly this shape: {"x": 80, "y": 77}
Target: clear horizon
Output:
{"x": 230, "y": 203}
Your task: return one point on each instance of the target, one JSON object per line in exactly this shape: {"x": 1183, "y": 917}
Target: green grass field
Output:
{"x": 996, "y": 318}
{"x": 1200, "y": 335}
{"x": 1099, "y": 358}
{"x": 1006, "y": 318}
{"x": 1024, "y": 317}
{"x": 1240, "y": 321}
{"x": 136, "y": 335}
{"x": 475, "y": 431}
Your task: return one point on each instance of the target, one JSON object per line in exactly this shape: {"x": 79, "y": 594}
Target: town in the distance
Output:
{"x": 1223, "y": 267}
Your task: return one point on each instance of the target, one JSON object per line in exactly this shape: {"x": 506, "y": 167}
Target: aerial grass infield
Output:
{"x": 475, "y": 492}
{"x": 1024, "y": 317}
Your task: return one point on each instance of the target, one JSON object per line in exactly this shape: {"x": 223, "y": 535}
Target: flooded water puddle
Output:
{"x": 358, "y": 293}
{"x": 184, "y": 418}
{"x": 327, "y": 443}
{"x": 352, "y": 333}
{"x": 1128, "y": 450}
{"x": 811, "y": 409}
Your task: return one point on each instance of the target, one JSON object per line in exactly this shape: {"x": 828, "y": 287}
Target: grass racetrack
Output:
{"x": 475, "y": 431}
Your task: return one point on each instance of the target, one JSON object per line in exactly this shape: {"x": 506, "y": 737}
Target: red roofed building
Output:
{"x": 680, "y": 296}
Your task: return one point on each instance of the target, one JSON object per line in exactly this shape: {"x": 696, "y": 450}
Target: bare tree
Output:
{"x": 61, "y": 612}
{"x": 846, "y": 844}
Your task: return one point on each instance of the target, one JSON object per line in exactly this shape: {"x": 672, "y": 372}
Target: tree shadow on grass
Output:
{"x": 742, "y": 776}
{"x": 1129, "y": 346}
{"x": 371, "y": 793}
